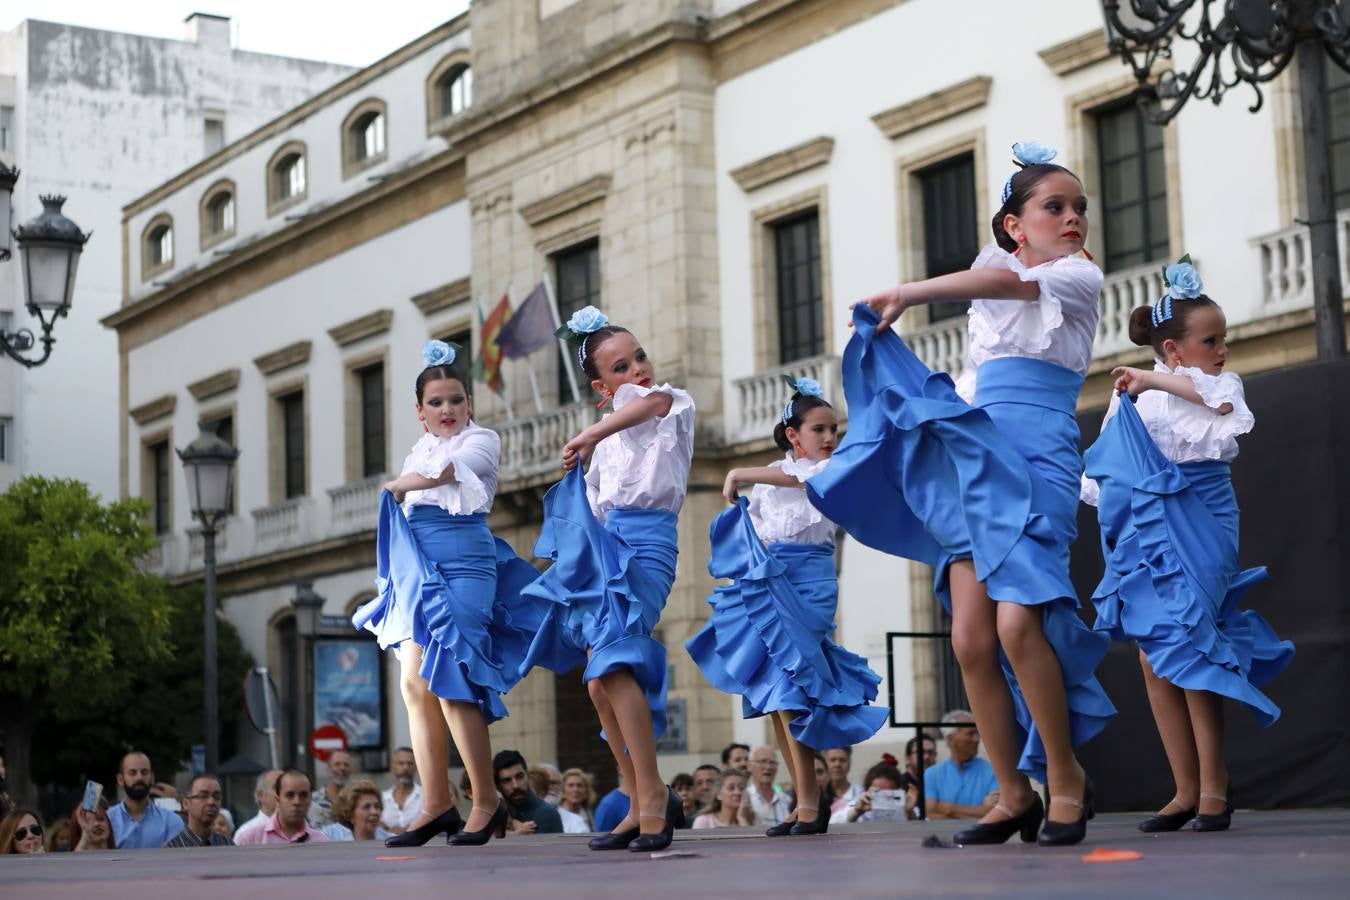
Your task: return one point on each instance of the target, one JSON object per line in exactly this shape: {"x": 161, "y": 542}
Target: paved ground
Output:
{"x": 1298, "y": 854}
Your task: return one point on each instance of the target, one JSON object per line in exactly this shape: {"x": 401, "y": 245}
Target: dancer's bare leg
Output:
{"x": 427, "y": 733}
{"x": 614, "y": 736}
{"x": 471, "y": 738}
{"x": 801, "y": 765}
{"x": 975, "y": 642}
{"x": 635, "y": 719}
{"x": 1036, "y": 666}
{"x": 1207, "y": 721}
{"x": 1173, "y": 717}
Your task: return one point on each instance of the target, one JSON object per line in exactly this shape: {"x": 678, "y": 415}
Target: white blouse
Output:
{"x": 474, "y": 453}
{"x": 1057, "y": 327}
{"x": 646, "y": 466}
{"x": 784, "y": 515}
{"x": 1184, "y": 431}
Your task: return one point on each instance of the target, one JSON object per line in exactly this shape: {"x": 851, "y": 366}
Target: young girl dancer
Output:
{"x": 449, "y": 600}
{"x": 768, "y": 636}
{"x": 1162, "y": 462}
{"x": 987, "y": 494}
{"x": 612, "y": 539}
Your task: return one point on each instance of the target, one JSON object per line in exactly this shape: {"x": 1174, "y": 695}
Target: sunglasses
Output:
{"x": 22, "y": 833}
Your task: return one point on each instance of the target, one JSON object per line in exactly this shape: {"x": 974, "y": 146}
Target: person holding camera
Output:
{"x": 882, "y": 801}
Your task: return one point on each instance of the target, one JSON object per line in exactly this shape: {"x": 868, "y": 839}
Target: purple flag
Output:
{"x": 530, "y": 327}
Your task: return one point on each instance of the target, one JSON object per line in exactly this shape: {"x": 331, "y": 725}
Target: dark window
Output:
{"x": 6, "y": 440}
{"x": 577, "y": 270}
{"x": 372, "y": 420}
{"x": 456, "y": 90}
{"x": 1338, "y": 127}
{"x": 293, "y": 442}
{"x": 160, "y": 459}
{"x": 1134, "y": 187}
{"x": 288, "y": 637}
{"x": 801, "y": 313}
{"x": 951, "y": 235}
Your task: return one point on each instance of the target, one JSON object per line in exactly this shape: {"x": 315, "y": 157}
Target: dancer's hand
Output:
{"x": 578, "y": 450}
{"x": 888, "y": 304}
{"x": 729, "y": 486}
{"x": 393, "y": 488}
{"x": 1131, "y": 380}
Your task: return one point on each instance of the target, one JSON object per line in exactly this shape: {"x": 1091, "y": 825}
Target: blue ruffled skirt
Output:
{"x": 924, "y": 475}
{"x": 1172, "y": 582}
{"x": 446, "y": 584}
{"x": 768, "y": 637}
{"x": 604, "y": 592}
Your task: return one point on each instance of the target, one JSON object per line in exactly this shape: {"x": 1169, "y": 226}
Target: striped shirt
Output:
{"x": 188, "y": 838}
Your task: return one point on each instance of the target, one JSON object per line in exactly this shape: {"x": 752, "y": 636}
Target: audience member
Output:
{"x": 683, "y": 786}
{"x": 531, "y": 814}
{"x": 137, "y": 822}
{"x": 915, "y": 761}
{"x": 578, "y": 797}
{"x": 840, "y": 790}
{"x": 883, "y": 801}
{"x": 90, "y": 829}
{"x": 339, "y": 772}
{"x": 21, "y": 832}
{"x": 6, "y": 804}
{"x": 728, "y": 804}
{"x": 203, "y": 808}
{"x": 963, "y": 786}
{"x": 770, "y": 805}
{"x": 222, "y": 825}
{"x": 611, "y": 809}
{"x": 822, "y": 770}
{"x": 706, "y": 778}
{"x": 402, "y": 801}
{"x": 288, "y": 825}
{"x": 58, "y": 837}
{"x": 356, "y": 813}
{"x": 265, "y": 795}
{"x": 736, "y": 756}
{"x": 553, "y": 795}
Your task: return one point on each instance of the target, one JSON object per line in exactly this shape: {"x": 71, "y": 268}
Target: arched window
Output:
{"x": 286, "y": 178}
{"x": 217, "y": 213}
{"x": 363, "y": 137}
{"x": 449, "y": 87}
{"x": 157, "y": 246}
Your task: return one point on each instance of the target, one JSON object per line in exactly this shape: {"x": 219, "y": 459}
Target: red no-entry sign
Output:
{"x": 325, "y": 739}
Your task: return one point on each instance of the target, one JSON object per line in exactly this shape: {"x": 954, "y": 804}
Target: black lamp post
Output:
{"x": 208, "y": 463}
{"x": 1250, "y": 42}
{"x": 308, "y": 607}
{"x": 49, "y": 252}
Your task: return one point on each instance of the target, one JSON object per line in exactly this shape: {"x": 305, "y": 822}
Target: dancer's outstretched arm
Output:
{"x": 972, "y": 284}
{"x": 1136, "y": 381}
{"x": 653, "y": 406}
{"x": 757, "y": 475}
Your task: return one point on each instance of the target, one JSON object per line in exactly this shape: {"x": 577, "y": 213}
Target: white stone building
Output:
{"x": 725, "y": 178}
{"x": 100, "y": 117}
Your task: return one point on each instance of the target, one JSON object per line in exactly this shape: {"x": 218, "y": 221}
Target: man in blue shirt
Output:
{"x": 531, "y": 813}
{"x": 137, "y": 823}
{"x": 964, "y": 786}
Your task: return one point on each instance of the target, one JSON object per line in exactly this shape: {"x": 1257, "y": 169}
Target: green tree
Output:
{"x": 77, "y": 614}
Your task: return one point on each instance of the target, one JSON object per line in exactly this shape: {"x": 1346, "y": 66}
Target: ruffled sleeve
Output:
{"x": 1069, "y": 287}
{"x": 664, "y": 431}
{"x": 474, "y": 454}
{"x": 785, "y": 513}
{"x": 1203, "y": 427}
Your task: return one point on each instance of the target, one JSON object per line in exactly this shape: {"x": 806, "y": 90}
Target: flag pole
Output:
{"x": 510, "y": 415}
{"x": 534, "y": 381}
{"x": 568, "y": 367}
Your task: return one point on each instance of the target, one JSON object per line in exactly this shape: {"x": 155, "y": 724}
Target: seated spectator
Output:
{"x": 706, "y": 778}
{"x": 58, "y": 837}
{"x": 357, "y": 812}
{"x": 736, "y": 756}
{"x": 839, "y": 788}
{"x": 288, "y": 825}
{"x": 822, "y": 770}
{"x": 403, "y": 801}
{"x": 553, "y": 795}
{"x": 578, "y": 797}
{"x": 203, "y": 808}
{"x": 531, "y": 814}
{"x": 612, "y": 808}
{"x": 728, "y": 808}
{"x": 882, "y": 801}
{"x": 138, "y": 823}
{"x": 920, "y": 755}
{"x": 963, "y": 786}
{"x": 21, "y": 832}
{"x": 538, "y": 780}
{"x": 90, "y": 829}
{"x": 222, "y": 825}
{"x": 340, "y": 772}
{"x": 266, "y": 800}
{"x": 771, "y": 805}
{"x": 683, "y": 786}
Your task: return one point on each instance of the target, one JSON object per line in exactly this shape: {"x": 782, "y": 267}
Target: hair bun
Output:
{"x": 1141, "y": 326}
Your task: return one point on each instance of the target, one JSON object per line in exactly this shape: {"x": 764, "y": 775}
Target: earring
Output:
{"x": 1088, "y": 254}
{"x": 603, "y": 400}
{"x": 1021, "y": 245}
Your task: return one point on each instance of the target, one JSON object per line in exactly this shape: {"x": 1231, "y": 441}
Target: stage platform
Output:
{"x": 1303, "y": 854}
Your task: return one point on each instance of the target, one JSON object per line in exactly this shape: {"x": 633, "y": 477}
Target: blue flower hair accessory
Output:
{"x": 580, "y": 325}
{"x": 1182, "y": 282}
{"x": 438, "y": 353}
{"x": 806, "y": 387}
{"x": 1027, "y": 153}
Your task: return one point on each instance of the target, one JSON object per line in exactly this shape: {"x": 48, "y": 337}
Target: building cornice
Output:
{"x": 1076, "y": 53}
{"x": 784, "y": 163}
{"x": 554, "y": 205}
{"x": 213, "y": 385}
{"x": 935, "y": 107}
{"x": 443, "y": 297}
{"x": 358, "y": 329}
{"x": 284, "y": 358}
{"x": 158, "y": 408}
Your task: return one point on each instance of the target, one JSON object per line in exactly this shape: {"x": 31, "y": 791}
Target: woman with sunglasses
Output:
{"x": 21, "y": 832}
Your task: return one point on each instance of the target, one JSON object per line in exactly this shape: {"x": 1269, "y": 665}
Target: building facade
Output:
{"x": 101, "y": 117}
{"x": 722, "y": 177}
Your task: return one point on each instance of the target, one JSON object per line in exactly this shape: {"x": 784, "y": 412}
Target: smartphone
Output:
{"x": 92, "y": 791}
{"x": 888, "y": 799}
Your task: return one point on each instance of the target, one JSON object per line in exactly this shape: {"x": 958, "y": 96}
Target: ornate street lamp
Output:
{"x": 208, "y": 463}
{"x": 49, "y": 252}
{"x": 308, "y": 607}
{"x": 1249, "y": 42}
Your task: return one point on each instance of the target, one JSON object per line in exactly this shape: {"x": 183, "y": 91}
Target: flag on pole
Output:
{"x": 490, "y": 358}
{"x": 530, "y": 327}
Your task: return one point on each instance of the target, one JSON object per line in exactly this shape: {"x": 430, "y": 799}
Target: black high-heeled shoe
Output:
{"x": 1026, "y": 823}
{"x": 615, "y": 840}
{"x": 647, "y": 843}
{"x": 781, "y": 829}
{"x": 819, "y": 825}
{"x": 481, "y": 837}
{"x": 1062, "y": 834}
{"x": 448, "y": 822}
{"x": 1167, "y": 821}
{"x": 1214, "y": 821}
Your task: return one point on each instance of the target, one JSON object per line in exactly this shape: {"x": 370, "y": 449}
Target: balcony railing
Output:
{"x": 1286, "y": 265}
{"x": 760, "y": 398}
{"x": 533, "y": 445}
{"x": 197, "y": 544}
{"x": 1122, "y": 291}
{"x": 355, "y": 506}
{"x": 941, "y": 345}
{"x": 280, "y": 525}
